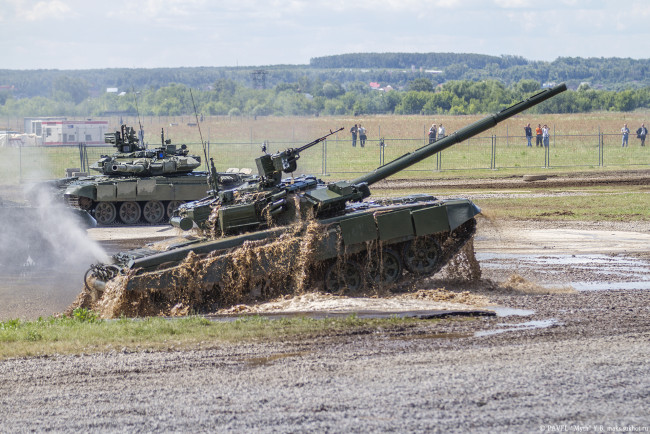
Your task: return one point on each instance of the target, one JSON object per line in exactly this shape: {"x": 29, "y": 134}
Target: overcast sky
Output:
{"x": 82, "y": 34}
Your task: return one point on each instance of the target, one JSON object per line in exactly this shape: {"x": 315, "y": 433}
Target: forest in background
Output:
{"x": 402, "y": 83}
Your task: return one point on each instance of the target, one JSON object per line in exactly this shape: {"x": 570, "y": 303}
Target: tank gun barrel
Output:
{"x": 318, "y": 140}
{"x": 461, "y": 135}
{"x": 128, "y": 168}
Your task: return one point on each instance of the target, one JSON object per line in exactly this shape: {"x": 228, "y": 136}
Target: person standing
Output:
{"x": 441, "y": 131}
{"x": 546, "y": 135}
{"x": 538, "y": 135}
{"x": 529, "y": 135}
{"x": 625, "y": 131}
{"x": 362, "y": 136}
{"x": 432, "y": 133}
{"x": 641, "y": 133}
{"x": 354, "y": 130}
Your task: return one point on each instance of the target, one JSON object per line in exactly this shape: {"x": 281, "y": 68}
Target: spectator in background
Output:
{"x": 354, "y": 130}
{"x": 641, "y": 133}
{"x": 529, "y": 135}
{"x": 538, "y": 134}
{"x": 362, "y": 136}
{"x": 432, "y": 133}
{"x": 546, "y": 135}
{"x": 441, "y": 131}
{"x": 625, "y": 131}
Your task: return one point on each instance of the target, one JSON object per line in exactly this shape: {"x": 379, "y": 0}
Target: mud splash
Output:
{"x": 256, "y": 270}
{"x": 263, "y": 270}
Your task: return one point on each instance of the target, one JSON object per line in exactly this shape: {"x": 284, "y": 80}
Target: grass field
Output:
{"x": 235, "y": 142}
{"x": 83, "y": 333}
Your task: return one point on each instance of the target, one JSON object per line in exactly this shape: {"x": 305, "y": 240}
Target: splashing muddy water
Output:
{"x": 43, "y": 255}
{"x": 258, "y": 271}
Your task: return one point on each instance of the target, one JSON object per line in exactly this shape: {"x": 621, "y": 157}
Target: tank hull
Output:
{"x": 131, "y": 200}
{"x": 372, "y": 245}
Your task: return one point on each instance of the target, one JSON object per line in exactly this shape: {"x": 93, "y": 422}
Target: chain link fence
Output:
{"x": 338, "y": 158}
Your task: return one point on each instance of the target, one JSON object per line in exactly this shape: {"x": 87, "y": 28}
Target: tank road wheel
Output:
{"x": 105, "y": 213}
{"x": 153, "y": 212}
{"x": 130, "y": 212}
{"x": 421, "y": 255}
{"x": 384, "y": 268}
{"x": 343, "y": 276}
{"x": 172, "y": 205}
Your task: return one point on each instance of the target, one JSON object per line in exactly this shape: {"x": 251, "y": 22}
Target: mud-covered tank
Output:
{"x": 277, "y": 235}
{"x": 140, "y": 185}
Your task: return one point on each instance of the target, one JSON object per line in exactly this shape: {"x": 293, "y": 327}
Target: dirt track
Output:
{"x": 563, "y": 362}
{"x": 553, "y": 180}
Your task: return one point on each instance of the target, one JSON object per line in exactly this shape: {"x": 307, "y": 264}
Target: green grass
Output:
{"x": 83, "y": 332}
{"x": 598, "y": 203}
{"x": 595, "y": 206}
{"x": 235, "y": 142}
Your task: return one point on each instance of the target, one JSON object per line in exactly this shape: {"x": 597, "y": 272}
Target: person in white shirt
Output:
{"x": 441, "y": 132}
{"x": 545, "y": 135}
{"x": 625, "y": 131}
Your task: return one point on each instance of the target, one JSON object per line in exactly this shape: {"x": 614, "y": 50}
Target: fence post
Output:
{"x": 493, "y": 157}
{"x": 325, "y": 157}
{"x": 20, "y": 164}
{"x": 546, "y": 156}
{"x": 323, "y": 165}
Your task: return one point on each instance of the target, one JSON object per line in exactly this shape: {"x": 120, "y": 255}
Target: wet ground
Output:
{"x": 566, "y": 351}
{"x": 580, "y": 256}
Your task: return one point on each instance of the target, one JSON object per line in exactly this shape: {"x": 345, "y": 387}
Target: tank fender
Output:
{"x": 459, "y": 211}
{"x": 87, "y": 190}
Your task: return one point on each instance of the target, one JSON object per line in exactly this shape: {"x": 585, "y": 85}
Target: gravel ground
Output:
{"x": 587, "y": 368}
{"x": 575, "y": 362}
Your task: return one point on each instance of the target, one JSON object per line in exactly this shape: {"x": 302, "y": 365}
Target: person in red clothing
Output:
{"x": 538, "y": 133}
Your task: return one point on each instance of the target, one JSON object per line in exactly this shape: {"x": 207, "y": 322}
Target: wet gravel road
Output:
{"x": 589, "y": 368}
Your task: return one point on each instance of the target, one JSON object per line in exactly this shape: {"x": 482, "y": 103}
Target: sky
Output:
{"x": 87, "y": 34}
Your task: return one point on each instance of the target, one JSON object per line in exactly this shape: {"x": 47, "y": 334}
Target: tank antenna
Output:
{"x": 205, "y": 154}
{"x": 212, "y": 177}
{"x": 141, "y": 134}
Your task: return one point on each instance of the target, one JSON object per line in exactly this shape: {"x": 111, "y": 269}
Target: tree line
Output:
{"x": 313, "y": 97}
{"x": 394, "y": 69}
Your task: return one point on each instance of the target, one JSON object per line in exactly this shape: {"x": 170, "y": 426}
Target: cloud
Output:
{"x": 52, "y": 9}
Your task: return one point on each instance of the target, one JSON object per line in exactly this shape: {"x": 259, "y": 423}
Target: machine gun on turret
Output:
{"x": 271, "y": 166}
{"x": 125, "y": 140}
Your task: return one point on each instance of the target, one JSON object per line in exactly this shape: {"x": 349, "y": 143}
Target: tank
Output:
{"x": 280, "y": 235}
{"x": 140, "y": 185}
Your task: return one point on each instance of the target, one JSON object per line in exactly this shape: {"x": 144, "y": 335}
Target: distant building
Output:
{"x": 33, "y": 125}
{"x": 73, "y": 132}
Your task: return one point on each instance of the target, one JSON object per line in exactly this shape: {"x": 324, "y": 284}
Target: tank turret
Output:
{"x": 132, "y": 158}
{"x": 279, "y": 233}
{"x": 259, "y": 205}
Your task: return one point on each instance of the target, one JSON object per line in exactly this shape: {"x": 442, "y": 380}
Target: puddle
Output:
{"x": 586, "y": 272}
{"x": 502, "y": 311}
{"x": 530, "y": 325}
{"x": 602, "y": 286}
{"x": 433, "y": 336}
{"x": 421, "y": 314}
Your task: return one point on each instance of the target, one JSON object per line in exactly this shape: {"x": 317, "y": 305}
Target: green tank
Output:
{"x": 272, "y": 236}
{"x": 140, "y": 185}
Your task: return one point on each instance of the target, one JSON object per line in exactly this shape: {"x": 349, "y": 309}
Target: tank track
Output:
{"x": 355, "y": 273}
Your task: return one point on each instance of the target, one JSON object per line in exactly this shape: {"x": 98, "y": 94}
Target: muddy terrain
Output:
{"x": 566, "y": 351}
